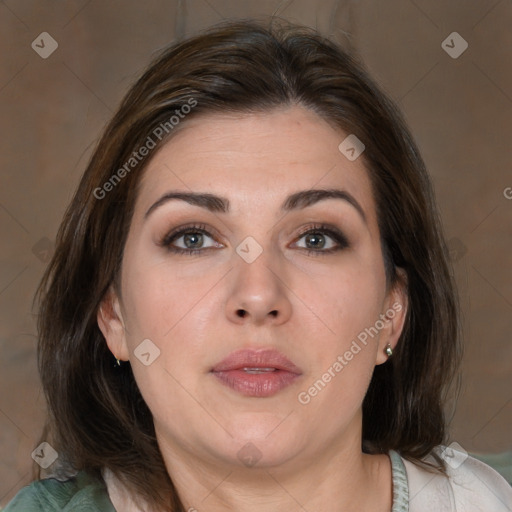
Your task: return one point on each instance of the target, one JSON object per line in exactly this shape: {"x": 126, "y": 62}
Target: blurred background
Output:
{"x": 64, "y": 66}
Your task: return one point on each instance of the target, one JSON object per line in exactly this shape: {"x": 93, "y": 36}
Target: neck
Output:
{"x": 338, "y": 478}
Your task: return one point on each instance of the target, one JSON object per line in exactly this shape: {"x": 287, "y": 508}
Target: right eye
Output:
{"x": 193, "y": 238}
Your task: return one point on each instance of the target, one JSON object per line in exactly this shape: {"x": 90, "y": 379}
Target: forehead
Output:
{"x": 255, "y": 159}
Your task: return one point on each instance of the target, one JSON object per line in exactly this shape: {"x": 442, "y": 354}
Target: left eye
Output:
{"x": 322, "y": 240}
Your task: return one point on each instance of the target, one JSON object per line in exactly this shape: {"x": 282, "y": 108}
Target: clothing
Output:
{"x": 501, "y": 462}
{"x": 472, "y": 486}
{"x": 82, "y": 493}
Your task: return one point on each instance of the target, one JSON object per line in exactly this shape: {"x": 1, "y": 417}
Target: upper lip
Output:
{"x": 256, "y": 358}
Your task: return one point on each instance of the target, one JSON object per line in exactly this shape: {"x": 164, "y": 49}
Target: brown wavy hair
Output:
{"x": 97, "y": 416}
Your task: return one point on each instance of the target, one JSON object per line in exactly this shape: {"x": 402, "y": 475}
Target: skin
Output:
{"x": 310, "y": 455}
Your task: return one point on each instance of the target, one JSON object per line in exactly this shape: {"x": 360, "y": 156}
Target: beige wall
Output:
{"x": 459, "y": 109}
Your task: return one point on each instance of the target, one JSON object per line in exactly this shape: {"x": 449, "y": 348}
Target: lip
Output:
{"x": 270, "y": 372}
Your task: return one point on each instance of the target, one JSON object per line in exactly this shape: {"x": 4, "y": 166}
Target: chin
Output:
{"x": 258, "y": 454}
{"x": 266, "y": 424}
{"x": 261, "y": 439}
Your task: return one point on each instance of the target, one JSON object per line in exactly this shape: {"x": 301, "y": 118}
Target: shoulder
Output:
{"x": 471, "y": 485}
{"x": 78, "y": 494}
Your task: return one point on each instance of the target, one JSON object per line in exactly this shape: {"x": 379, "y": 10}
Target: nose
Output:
{"x": 258, "y": 292}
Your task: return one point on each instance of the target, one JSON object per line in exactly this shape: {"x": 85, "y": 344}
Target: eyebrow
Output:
{"x": 295, "y": 201}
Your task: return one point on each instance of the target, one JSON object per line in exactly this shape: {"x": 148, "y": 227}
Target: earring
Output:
{"x": 118, "y": 363}
{"x": 388, "y": 350}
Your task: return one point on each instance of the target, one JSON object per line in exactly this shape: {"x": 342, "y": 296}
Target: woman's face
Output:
{"x": 254, "y": 335}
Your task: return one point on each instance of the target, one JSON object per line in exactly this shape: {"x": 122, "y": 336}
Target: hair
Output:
{"x": 97, "y": 416}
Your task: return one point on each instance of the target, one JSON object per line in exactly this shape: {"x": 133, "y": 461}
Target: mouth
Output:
{"x": 256, "y": 373}
{"x": 258, "y": 370}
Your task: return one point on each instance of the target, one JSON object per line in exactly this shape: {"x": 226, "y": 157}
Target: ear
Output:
{"x": 111, "y": 324}
{"x": 393, "y": 316}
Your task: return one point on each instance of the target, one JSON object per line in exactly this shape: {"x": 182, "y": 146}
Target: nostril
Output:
{"x": 242, "y": 313}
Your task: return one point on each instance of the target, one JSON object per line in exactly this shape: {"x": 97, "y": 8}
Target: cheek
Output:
{"x": 347, "y": 304}
{"x": 346, "y": 299}
{"x": 344, "y": 357}
{"x": 160, "y": 299}
{"x": 164, "y": 309}
{"x": 177, "y": 313}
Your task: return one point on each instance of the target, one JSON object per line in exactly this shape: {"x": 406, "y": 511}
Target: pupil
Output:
{"x": 191, "y": 237}
{"x": 314, "y": 239}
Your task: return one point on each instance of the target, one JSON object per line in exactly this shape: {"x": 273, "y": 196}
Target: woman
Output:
{"x": 250, "y": 306}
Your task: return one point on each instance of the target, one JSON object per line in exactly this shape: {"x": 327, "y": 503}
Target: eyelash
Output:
{"x": 336, "y": 235}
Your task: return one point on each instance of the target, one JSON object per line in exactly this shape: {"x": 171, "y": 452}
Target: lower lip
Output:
{"x": 256, "y": 384}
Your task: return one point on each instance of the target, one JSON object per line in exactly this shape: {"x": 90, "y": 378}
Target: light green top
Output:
{"x": 84, "y": 493}
{"x": 400, "y": 484}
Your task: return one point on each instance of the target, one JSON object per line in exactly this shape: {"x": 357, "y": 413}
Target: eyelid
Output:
{"x": 329, "y": 230}
{"x": 332, "y": 231}
{"x": 180, "y": 231}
